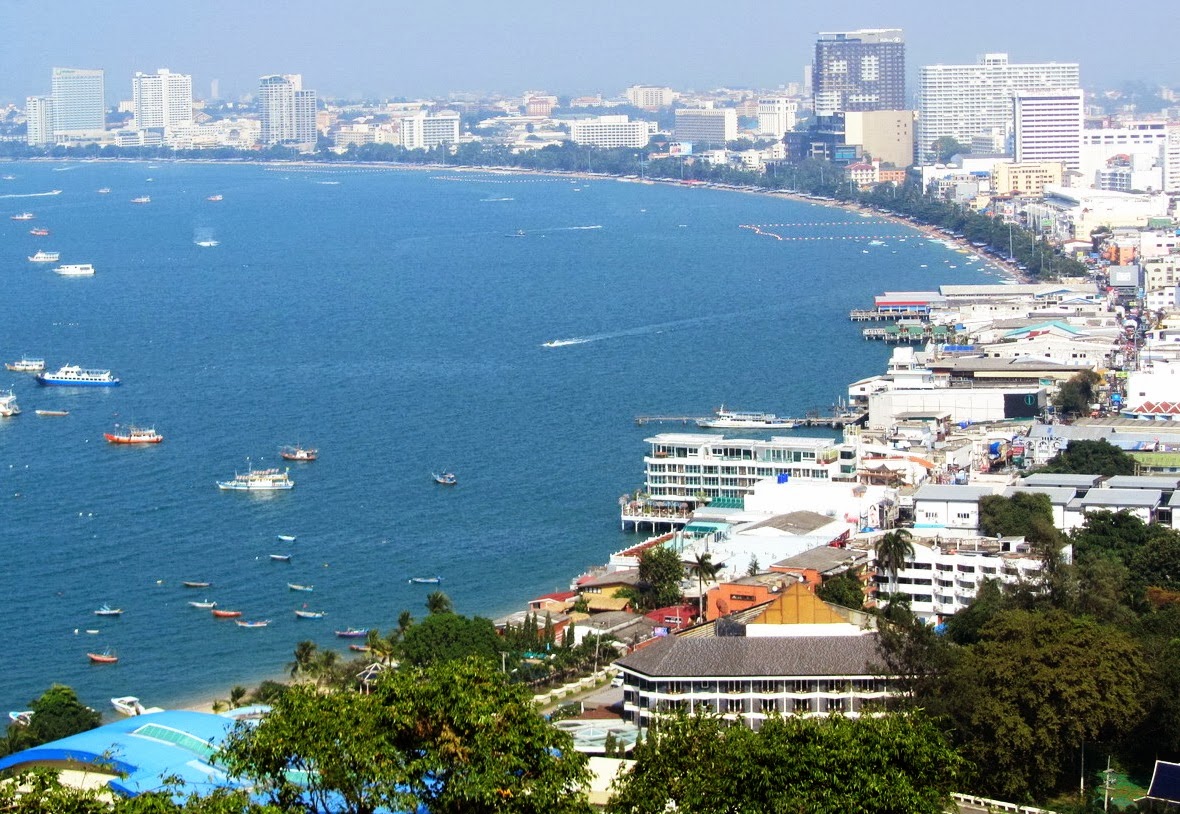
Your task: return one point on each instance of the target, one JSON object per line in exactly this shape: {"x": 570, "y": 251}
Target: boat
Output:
{"x": 297, "y": 453}
{"x": 21, "y": 717}
{"x": 142, "y": 199}
{"x": 39, "y": 231}
{"x": 203, "y": 604}
{"x": 286, "y": 538}
{"x": 195, "y": 584}
{"x": 45, "y": 257}
{"x": 306, "y": 614}
{"x": 26, "y": 365}
{"x": 75, "y": 270}
{"x": 426, "y": 580}
{"x": 52, "y": 412}
{"x": 352, "y": 633}
{"x": 208, "y": 244}
{"x": 258, "y": 480}
{"x": 128, "y": 705}
{"x": 359, "y": 648}
{"x": 105, "y": 657}
{"x": 107, "y": 610}
{"x": 736, "y": 420}
{"x": 226, "y": 614}
{"x": 135, "y": 435}
{"x": 294, "y": 586}
{"x": 104, "y": 190}
{"x": 445, "y": 478}
{"x": 24, "y": 216}
{"x": 281, "y": 557}
{"x": 214, "y": 198}
{"x": 8, "y": 405}
{"x": 75, "y": 376}
{"x": 260, "y": 623}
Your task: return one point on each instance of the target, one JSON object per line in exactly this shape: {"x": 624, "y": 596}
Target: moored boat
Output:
{"x": 21, "y": 717}
{"x": 107, "y": 610}
{"x": 52, "y": 412}
{"x": 425, "y": 580}
{"x": 259, "y": 623}
{"x": 294, "y": 586}
{"x": 190, "y": 583}
{"x": 8, "y": 405}
{"x": 75, "y": 270}
{"x": 75, "y": 376}
{"x": 128, "y": 705}
{"x": 24, "y": 216}
{"x": 286, "y": 538}
{"x": 45, "y": 257}
{"x": 359, "y": 648}
{"x": 445, "y": 478}
{"x": 39, "y": 231}
{"x": 281, "y": 557}
{"x": 298, "y": 453}
{"x": 105, "y": 657}
{"x": 134, "y": 435}
{"x": 226, "y": 614}
{"x": 26, "y": 364}
{"x": 306, "y": 614}
{"x": 352, "y": 633}
{"x": 203, "y": 604}
{"x": 258, "y": 480}
{"x": 735, "y": 420}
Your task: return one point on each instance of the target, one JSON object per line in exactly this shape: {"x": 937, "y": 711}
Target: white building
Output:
{"x": 287, "y": 112}
{"x": 706, "y": 126}
{"x": 611, "y": 131}
{"x": 162, "y": 99}
{"x": 1172, "y": 160}
{"x": 962, "y": 101}
{"x": 650, "y": 98}
{"x": 1076, "y": 213}
{"x": 1141, "y": 146}
{"x": 425, "y": 132}
{"x": 776, "y": 116}
{"x": 39, "y": 120}
{"x": 1048, "y": 126}
{"x": 79, "y": 101}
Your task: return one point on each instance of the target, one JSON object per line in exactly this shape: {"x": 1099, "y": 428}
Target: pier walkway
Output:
{"x": 836, "y": 421}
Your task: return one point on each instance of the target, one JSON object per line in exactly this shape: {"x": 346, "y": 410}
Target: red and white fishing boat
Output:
{"x": 226, "y": 614}
{"x": 297, "y": 453}
{"x": 105, "y": 657}
{"x": 134, "y": 435}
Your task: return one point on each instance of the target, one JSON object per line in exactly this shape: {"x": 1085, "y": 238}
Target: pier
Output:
{"x": 835, "y": 421}
{"x": 913, "y": 332}
{"x": 873, "y": 315}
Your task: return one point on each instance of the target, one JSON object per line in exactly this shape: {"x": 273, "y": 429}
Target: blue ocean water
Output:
{"x": 395, "y": 320}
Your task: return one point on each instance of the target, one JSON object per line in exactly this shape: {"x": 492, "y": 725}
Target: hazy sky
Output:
{"x": 383, "y": 48}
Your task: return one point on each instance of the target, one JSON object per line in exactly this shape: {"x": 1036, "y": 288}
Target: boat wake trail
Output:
{"x": 494, "y": 200}
{"x": 32, "y": 194}
{"x": 659, "y": 327}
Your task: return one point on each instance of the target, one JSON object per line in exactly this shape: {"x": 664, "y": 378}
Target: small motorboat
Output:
{"x": 352, "y": 633}
{"x": 24, "y": 216}
{"x": 128, "y": 705}
{"x": 194, "y": 584}
{"x": 52, "y": 412}
{"x": 260, "y": 623}
{"x": 226, "y": 614}
{"x": 298, "y": 453}
{"x": 445, "y": 478}
{"x": 287, "y": 538}
{"x": 203, "y": 604}
{"x": 105, "y": 657}
{"x": 21, "y": 717}
{"x": 296, "y": 587}
{"x": 107, "y": 610}
{"x": 425, "y": 580}
{"x": 217, "y": 197}
{"x": 281, "y": 557}
{"x": 142, "y": 199}
{"x": 306, "y": 614}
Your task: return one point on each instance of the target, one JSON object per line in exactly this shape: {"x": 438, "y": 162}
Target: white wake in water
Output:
{"x": 642, "y": 330}
{"x": 32, "y": 194}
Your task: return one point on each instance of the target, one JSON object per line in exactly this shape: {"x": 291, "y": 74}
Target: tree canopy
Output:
{"x": 1090, "y": 458}
{"x": 1073, "y": 397}
{"x": 56, "y": 714}
{"x": 660, "y": 574}
{"x": 449, "y": 636}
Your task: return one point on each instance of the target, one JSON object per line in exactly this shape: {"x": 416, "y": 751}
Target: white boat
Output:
{"x": 208, "y": 244}
{"x": 259, "y": 480}
{"x": 75, "y": 270}
{"x": 214, "y": 197}
{"x": 8, "y": 405}
{"x": 45, "y": 257}
{"x": 203, "y": 604}
{"x": 142, "y": 199}
{"x": 735, "y": 420}
{"x": 26, "y": 365}
{"x": 287, "y": 538}
{"x": 128, "y": 705}
{"x": 24, "y": 216}
{"x": 76, "y": 376}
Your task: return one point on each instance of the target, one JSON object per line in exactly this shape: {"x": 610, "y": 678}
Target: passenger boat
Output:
{"x": 226, "y": 614}
{"x": 203, "y": 604}
{"x": 281, "y": 557}
{"x": 135, "y": 435}
{"x": 306, "y": 614}
{"x": 105, "y": 657}
{"x": 142, "y": 199}
{"x": 258, "y": 480}
{"x": 26, "y": 365}
{"x": 75, "y": 376}
{"x": 45, "y": 257}
{"x": 445, "y": 478}
{"x": 352, "y": 633}
{"x": 75, "y": 270}
{"x": 52, "y": 412}
{"x": 261, "y": 623}
{"x": 39, "y": 231}
{"x": 734, "y": 420}
{"x": 297, "y": 453}
{"x": 8, "y": 405}
{"x": 426, "y": 580}
{"x": 188, "y": 583}
{"x": 294, "y": 586}
{"x": 107, "y": 610}
{"x": 128, "y": 705}
{"x": 24, "y": 216}
{"x": 214, "y": 198}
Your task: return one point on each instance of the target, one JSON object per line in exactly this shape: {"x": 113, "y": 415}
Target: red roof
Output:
{"x": 665, "y": 616}
{"x": 558, "y": 596}
{"x": 1157, "y": 408}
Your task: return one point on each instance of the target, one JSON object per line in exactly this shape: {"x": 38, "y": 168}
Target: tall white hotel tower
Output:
{"x": 287, "y": 112}
{"x": 162, "y": 99}
{"x": 79, "y": 103}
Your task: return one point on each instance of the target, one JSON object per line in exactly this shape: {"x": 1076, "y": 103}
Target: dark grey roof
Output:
{"x": 1122, "y": 498}
{"x": 1057, "y": 494}
{"x": 800, "y": 522}
{"x": 822, "y": 558}
{"x": 1163, "y": 482}
{"x": 737, "y": 657}
{"x": 1047, "y": 479}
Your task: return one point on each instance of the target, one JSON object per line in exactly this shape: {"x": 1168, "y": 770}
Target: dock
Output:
{"x": 835, "y": 421}
{"x": 873, "y": 315}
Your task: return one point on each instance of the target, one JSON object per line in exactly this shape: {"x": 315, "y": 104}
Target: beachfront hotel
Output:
{"x": 79, "y": 103}
{"x": 859, "y": 70}
{"x": 162, "y": 99}
{"x": 287, "y": 112}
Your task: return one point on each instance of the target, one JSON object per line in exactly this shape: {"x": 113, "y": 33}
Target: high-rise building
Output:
{"x": 79, "y": 101}
{"x": 650, "y": 98}
{"x": 964, "y": 101}
{"x": 859, "y": 70}
{"x": 1048, "y": 126}
{"x": 1171, "y": 160}
{"x": 39, "y": 120}
{"x": 611, "y": 131}
{"x": 162, "y": 99}
{"x": 706, "y": 125}
{"x": 424, "y": 132}
{"x": 776, "y": 116}
{"x": 287, "y": 112}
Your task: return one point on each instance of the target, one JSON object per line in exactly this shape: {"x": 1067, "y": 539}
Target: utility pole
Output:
{"x": 1107, "y": 782}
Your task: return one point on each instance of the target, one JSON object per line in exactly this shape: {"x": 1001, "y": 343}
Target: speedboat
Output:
{"x": 298, "y": 453}
{"x": 135, "y": 435}
{"x": 294, "y": 586}
{"x": 26, "y": 365}
{"x": 142, "y": 199}
{"x": 281, "y": 557}
{"x": 45, "y": 257}
{"x": 286, "y": 538}
{"x": 8, "y": 405}
{"x": 214, "y": 198}
{"x": 21, "y": 717}
{"x": 75, "y": 270}
{"x": 128, "y": 705}
{"x": 104, "y": 190}
{"x": 734, "y": 420}
{"x": 107, "y": 610}
{"x": 445, "y": 478}
{"x": 75, "y": 376}
{"x": 208, "y": 244}
{"x": 39, "y": 231}
{"x": 426, "y": 580}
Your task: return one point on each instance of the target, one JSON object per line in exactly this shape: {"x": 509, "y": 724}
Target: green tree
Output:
{"x": 705, "y": 570}
{"x": 893, "y": 549}
{"x": 58, "y": 714}
{"x": 947, "y": 147}
{"x": 305, "y": 655}
{"x": 844, "y": 589}
{"x": 1075, "y": 396}
{"x": 450, "y": 636}
{"x": 438, "y": 602}
{"x": 1090, "y": 458}
{"x": 1025, "y": 514}
{"x": 660, "y": 573}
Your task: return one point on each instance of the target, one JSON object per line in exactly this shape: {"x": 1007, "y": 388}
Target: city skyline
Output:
{"x": 371, "y": 50}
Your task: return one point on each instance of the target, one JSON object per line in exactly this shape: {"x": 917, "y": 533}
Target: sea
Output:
{"x": 508, "y": 328}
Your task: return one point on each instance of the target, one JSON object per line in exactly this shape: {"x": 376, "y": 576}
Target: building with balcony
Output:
{"x": 79, "y": 101}
{"x": 162, "y": 99}
{"x": 39, "y": 120}
{"x": 706, "y": 125}
{"x": 287, "y": 111}
{"x": 859, "y": 70}
{"x": 648, "y": 97}
{"x": 611, "y": 131}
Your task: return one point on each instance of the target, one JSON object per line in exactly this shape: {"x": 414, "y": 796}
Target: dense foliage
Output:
{"x": 660, "y": 575}
{"x": 1090, "y": 458}
{"x": 56, "y": 714}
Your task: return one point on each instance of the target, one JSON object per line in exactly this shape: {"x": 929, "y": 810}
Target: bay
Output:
{"x": 395, "y": 320}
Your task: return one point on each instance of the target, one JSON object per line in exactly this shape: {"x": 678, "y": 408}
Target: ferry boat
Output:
{"x": 258, "y": 480}
{"x": 298, "y": 453}
{"x": 45, "y": 257}
{"x": 39, "y": 231}
{"x": 142, "y": 199}
{"x": 24, "y": 216}
{"x": 214, "y": 198}
{"x": 75, "y": 270}
{"x": 75, "y": 376}
{"x": 735, "y": 420}
{"x": 8, "y": 405}
{"x": 26, "y": 365}
{"x": 134, "y": 435}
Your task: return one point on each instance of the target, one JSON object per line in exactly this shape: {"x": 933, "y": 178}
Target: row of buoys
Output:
{"x": 830, "y": 223}
{"x": 491, "y": 180}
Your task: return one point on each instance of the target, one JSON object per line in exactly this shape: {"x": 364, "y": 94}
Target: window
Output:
{"x": 733, "y": 705}
{"x": 801, "y": 706}
{"x": 835, "y": 704}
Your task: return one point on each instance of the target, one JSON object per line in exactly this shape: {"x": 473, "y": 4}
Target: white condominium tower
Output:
{"x": 39, "y": 120}
{"x": 963, "y": 101}
{"x": 79, "y": 103}
{"x": 859, "y": 70}
{"x": 162, "y": 99}
{"x": 776, "y": 116}
{"x": 287, "y": 112}
{"x": 1048, "y": 126}
{"x": 706, "y": 125}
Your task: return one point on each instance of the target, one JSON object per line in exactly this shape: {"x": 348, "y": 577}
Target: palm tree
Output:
{"x": 324, "y": 666}
{"x": 705, "y": 570}
{"x": 405, "y": 621}
{"x": 893, "y": 549}
{"x": 304, "y": 658}
{"x": 438, "y": 602}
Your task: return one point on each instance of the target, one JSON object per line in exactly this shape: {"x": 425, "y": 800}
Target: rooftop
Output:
{"x": 1141, "y": 498}
{"x": 738, "y": 656}
{"x": 823, "y": 559}
{"x": 937, "y": 491}
{"x": 799, "y": 523}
